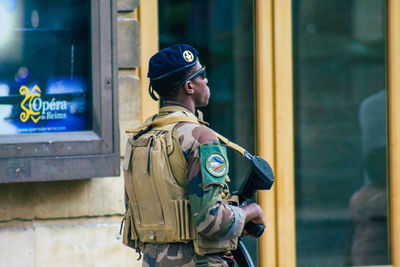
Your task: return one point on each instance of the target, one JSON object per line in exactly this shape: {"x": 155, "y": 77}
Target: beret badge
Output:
{"x": 188, "y": 56}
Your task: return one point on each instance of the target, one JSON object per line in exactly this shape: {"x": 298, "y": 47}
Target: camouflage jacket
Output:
{"x": 212, "y": 217}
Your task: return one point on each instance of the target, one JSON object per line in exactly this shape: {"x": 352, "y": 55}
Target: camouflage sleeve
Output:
{"x": 213, "y": 217}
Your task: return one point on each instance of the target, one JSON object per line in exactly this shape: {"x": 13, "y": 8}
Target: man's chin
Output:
{"x": 202, "y": 105}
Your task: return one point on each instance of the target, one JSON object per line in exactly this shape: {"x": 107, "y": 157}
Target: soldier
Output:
{"x": 199, "y": 169}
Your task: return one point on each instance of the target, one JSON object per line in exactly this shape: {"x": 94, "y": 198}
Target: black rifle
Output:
{"x": 259, "y": 177}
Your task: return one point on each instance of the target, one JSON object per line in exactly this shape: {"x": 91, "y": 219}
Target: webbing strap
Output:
{"x": 162, "y": 122}
{"x": 200, "y": 261}
{"x": 169, "y": 120}
{"x": 232, "y": 145}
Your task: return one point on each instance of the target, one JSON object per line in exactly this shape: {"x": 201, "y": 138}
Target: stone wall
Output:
{"x": 76, "y": 223}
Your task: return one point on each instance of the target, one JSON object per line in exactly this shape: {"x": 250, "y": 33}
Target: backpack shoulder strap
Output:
{"x": 162, "y": 122}
{"x": 170, "y": 120}
{"x": 175, "y": 119}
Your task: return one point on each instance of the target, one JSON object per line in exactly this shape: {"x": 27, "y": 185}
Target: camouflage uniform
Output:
{"x": 213, "y": 218}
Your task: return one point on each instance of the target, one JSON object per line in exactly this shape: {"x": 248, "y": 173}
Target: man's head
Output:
{"x": 175, "y": 72}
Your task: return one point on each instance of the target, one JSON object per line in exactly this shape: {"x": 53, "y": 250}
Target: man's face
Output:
{"x": 201, "y": 90}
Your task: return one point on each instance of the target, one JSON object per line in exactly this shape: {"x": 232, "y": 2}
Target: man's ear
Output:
{"x": 188, "y": 88}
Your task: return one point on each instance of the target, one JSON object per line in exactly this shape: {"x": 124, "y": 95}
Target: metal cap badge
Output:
{"x": 188, "y": 56}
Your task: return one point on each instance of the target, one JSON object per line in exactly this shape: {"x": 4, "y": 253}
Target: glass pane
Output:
{"x": 340, "y": 133}
{"x": 44, "y": 66}
{"x": 223, "y": 33}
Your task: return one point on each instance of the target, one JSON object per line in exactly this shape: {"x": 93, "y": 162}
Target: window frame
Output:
{"x": 80, "y": 154}
{"x": 275, "y": 123}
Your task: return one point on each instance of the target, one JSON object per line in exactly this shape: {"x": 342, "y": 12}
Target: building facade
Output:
{"x": 311, "y": 86}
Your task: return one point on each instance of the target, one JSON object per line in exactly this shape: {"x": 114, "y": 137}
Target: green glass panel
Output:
{"x": 340, "y": 95}
{"x": 223, "y": 32}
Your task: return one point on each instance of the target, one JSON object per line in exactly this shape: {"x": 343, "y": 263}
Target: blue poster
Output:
{"x": 45, "y": 67}
{"x": 61, "y": 107}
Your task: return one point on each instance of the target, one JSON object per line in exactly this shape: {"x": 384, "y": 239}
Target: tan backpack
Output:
{"x": 155, "y": 183}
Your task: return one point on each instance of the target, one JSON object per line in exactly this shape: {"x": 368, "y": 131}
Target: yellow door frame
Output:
{"x": 265, "y": 81}
{"x": 275, "y": 128}
{"x": 148, "y": 21}
{"x": 394, "y": 125}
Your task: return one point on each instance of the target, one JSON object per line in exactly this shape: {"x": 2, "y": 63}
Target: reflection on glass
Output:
{"x": 223, "y": 33}
{"x": 44, "y": 66}
{"x": 368, "y": 205}
{"x": 340, "y": 133}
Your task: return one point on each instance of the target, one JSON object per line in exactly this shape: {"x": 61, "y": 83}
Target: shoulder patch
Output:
{"x": 214, "y": 164}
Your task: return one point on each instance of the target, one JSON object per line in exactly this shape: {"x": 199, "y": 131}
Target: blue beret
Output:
{"x": 170, "y": 60}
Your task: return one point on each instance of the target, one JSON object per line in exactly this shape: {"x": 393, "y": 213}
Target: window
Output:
{"x": 44, "y": 67}
{"x": 340, "y": 111}
{"x": 58, "y": 102}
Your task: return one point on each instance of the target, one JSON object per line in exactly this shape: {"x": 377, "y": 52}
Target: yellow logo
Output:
{"x": 30, "y": 96}
{"x": 188, "y": 56}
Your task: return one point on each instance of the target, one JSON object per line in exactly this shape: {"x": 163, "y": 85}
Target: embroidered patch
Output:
{"x": 216, "y": 164}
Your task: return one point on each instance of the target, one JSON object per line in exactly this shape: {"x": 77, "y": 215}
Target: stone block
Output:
{"x": 62, "y": 199}
{"x": 129, "y": 106}
{"x": 16, "y": 201}
{"x": 126, "y": 125}
{"x": 17, "y": 245}
{"x": 107, "y": 197}
{"x": 128, "y": 43}
{"x": 79, "y": 242}
{"x": 129, "y": 97}
{"x": 127, "y": 5}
